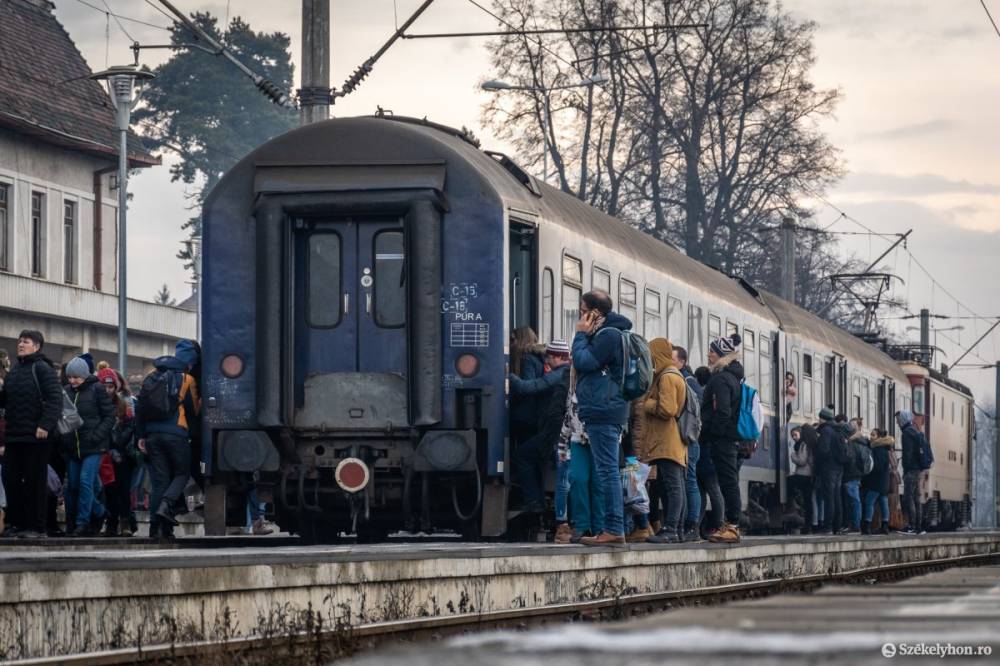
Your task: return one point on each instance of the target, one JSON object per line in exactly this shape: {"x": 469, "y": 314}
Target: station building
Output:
{"x": 58, "y": 201}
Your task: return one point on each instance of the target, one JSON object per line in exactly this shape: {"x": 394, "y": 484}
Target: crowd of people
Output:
{"x": 76, "y": 436}
{"x": 633, "y": 470}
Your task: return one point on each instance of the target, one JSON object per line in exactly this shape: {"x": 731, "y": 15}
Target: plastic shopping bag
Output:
{"x": 634, "y": 476}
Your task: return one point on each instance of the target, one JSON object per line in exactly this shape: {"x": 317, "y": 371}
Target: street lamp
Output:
{"x": 498, "y": 86}
{"x": 121, "y": 81}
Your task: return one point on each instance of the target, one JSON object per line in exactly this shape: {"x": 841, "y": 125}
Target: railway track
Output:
{"x": 320, "y": 644}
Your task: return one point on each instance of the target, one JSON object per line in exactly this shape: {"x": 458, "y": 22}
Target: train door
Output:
{"x": 349, "y": 318}
{"x": 521, "y": 278}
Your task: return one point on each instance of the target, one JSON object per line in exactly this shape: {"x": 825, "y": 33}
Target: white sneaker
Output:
{"x": 262, "y": 527}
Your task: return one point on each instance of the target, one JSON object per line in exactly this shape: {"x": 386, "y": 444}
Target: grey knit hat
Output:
{"x": 78, "y": 368}
{"x": 826, "y": 414}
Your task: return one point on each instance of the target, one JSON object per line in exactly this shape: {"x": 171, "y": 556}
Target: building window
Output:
{"x": 651, "y": 314}
{"x": 626, "y": 299}
{"x": 390, "y": 282}
{"x": 37, "y": 234}
{"x": 548, "y": 298}
{"x": 676, "y": 330}
{"x": 572, "y": 290}
{"x": 323, "y": 281}
{"x": 69, "y": 242}
{"x": 696, "y": 336}
{"x": 4, "y": 227}
{"x": 600, "y": 279}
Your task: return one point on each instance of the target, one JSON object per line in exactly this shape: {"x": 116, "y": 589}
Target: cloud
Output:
{"x": 914, "y": 185}
{"x": 932, "y": 126}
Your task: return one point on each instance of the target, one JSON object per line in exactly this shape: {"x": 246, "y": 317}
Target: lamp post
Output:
{"x": 121, "y": 82}
{"x": 497, "y": 86}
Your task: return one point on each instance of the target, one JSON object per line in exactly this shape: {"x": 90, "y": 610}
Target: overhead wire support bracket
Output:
{"x": 266, "y": 86}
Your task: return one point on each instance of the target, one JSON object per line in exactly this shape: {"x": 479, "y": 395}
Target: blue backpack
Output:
{"x": 750, "y": 418}
{"x": 926, "y": 454}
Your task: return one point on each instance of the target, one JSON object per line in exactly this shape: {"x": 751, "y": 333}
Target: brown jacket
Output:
{"x": 661, "y": 436}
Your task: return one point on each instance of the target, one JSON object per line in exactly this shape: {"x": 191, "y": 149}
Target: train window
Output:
{"x": 714, "y": 328}
{"x": 766, "y": 371}
{"x": 933, "y": 406}
{"x": 572, "y": 278}
{"x": 696, "y": 336}
{"x": 390, "y": 282}
{"x": 828, "y": 381}
{"x": 750, "y": 356}
{"x": 880, "y": 406}
{"x": 676, "y": 330}
{"x": 626, "y": 299}
{"x": 731, "y": 328}
{"x": 797, "y": 374}
{"x": 856, "y": 395}
{"x": 807, "y": 365}
{"x": 651, "y": 314}
{"x": 548, "y": 302}
{"x": 919, "y": 400}
{"x": 323, "y": 281}
{"x": 953, "y": 413}
{"x": 600, "y": 279}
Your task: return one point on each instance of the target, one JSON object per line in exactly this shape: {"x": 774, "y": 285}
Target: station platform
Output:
{"x": 62, "y": 602}
{"x": 939, "y": 616}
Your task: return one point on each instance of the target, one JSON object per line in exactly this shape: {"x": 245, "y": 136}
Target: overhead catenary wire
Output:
{"x": 990, "y": 17}
{"x": 118, "y": 21}
{"x": 123, "y": 17}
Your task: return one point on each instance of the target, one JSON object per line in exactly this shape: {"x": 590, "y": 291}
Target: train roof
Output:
{"x": 948, "y": 381}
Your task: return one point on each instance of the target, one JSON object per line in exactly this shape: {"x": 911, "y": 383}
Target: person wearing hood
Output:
{"x": 84, "y": 448}
{"x": 853, "y": 471}
{"x": 166, "y": 439}
{"x": 720, "y": 410}
{"x": 829, "y": 461}
{"x": 599, "y": 360}
{"x": 661, "y": 443}
{"x": 877, "y": 483}
{"x": 913, "y": 468}
{"x": 32, "y": 399}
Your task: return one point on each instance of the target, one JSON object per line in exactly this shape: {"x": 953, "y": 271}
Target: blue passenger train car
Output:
{"x": 361, "y": 279}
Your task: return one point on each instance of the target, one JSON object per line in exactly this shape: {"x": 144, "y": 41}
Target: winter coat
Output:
{"x": 698, "y": 389}
{"x": 30, "y": 405}
{"x": 525, "y": 409}
{"x": 912, "y": 441}
{"x": 852, "y": 465}
{"x": 720, "y": 405}
{"x": 124, "y": 429}
{"x": 878, "y": 479}
{"x": 184, "y": 422}
{"x": 552, "y": 403}
{"x": 802, "y": 452}
{"x": 830, "y": 454}
{"x": 599, "y": 362}
{"x": 98, "y": 413}
{"x": 662, "y": 405}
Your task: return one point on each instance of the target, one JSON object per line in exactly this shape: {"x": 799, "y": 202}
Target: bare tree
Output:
{"x": 702, "y": 137}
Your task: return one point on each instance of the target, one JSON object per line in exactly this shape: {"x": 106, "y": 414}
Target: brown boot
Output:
{"x": 639, "y": 535}
{"x": 563, "y": 534}
{"x": 604, "y": 539}
{"x": 728, "y": 534}
{"x": 2, "y": 516}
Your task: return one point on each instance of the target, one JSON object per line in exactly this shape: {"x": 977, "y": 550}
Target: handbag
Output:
{"x": 69, "y": 419}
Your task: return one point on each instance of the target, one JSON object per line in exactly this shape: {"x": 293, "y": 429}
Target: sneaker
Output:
{"x": 639, "y": 534}
{"x": 728, "y": 534}
{"x": 30, "y": 534}
{"x": 262, "y": 528}
{"x": 691, "y": 535}
{"x": 665, "y": 536}
{"x": 564, "y": 534}
{"x": 578, "y": 536}
{"x": 82, "y": 531}
{"x": 843, "y": 530}
{"x": 604, "y": 539}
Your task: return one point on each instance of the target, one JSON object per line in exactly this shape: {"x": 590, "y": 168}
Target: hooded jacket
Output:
{"x": 184, "y": 421}
{"x": 720, "y": 405}
{"x": 29, "y": 404}
{"x": 852, "y": 464}
{"x": 661, "y": 406}
{"x": 802, "y": 451}
{"x": 912, "y": 443}
{"x": 98, "y": 413}
{"x": 830, "y": 455}
{"x": 599, "y": 362}
{"x": 878, "y": 479}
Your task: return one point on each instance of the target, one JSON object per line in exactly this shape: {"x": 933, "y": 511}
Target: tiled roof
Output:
{"x": 45, "y": 89}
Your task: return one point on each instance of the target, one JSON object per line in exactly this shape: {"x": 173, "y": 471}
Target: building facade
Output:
{"x": 58, "y": 201}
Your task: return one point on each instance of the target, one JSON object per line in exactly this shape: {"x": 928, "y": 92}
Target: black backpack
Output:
{"x": 159, "y": 396}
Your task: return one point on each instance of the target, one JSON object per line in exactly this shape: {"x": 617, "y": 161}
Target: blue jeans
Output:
{"x": 605, "y": 441}
{"x": 883, "y": 504}
{"x": 852, "y": 502}
{"x": 83, "y": 486}
{"x": 691, "y": 483}
{"x": 562, "y": 491}
{"x": 585, "y": 495}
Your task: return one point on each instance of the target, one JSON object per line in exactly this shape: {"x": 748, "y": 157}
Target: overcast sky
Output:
{"x": 917, "y": 128}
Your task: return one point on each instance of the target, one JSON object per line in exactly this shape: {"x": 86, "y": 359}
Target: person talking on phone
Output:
{"x": 598, "y": 358}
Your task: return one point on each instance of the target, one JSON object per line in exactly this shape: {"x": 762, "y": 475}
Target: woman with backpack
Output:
{"x": 84, "y": 448}
{"x": 661, "y": 443}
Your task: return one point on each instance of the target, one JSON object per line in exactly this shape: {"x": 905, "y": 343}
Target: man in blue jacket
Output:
{"x": 598, "y": 358}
